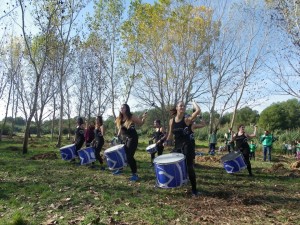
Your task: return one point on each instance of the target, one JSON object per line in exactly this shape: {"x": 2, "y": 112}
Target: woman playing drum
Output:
{"x": 126, "y": 122}
{"x": 158, "y": 137}
{"x": 241, "y": 144}
{"x": 179, "y": 130}
{"x": 98, "y": 142}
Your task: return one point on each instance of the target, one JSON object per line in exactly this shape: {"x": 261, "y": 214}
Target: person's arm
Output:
{"x": 253, "y": 134}
{"x": 139, "y": 121}
{"x": 169, "y": 135}
{"x": 163, "y": 137}
{"x": 102, "y": 129}
{"x": 197, "y": 126}
{"x": 190, "y": 119}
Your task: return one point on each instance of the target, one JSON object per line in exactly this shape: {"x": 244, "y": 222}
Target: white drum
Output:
{"x": 115, "y": 157}
{"x": 170, "y": 170}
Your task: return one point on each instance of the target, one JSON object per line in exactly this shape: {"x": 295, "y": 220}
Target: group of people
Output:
{"x": 91, "y": 135}
{"x": 181, "y": 132}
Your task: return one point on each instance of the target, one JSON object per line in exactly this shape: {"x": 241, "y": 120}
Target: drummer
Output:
{"x": 125, "y": 123}
{"x": 241, "y": 144}
{"x": 180, "y": 131}
{"x": 158, "y": 137}
{"x": 98, "y": 142}
{"x": 79, "y": 136}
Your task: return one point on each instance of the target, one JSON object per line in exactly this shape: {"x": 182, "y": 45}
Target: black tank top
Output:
{"x": 158, "y": 135}
{"x": 241, "y": 142}
{"x": 181, "y": 133}
{"x": 98, "y": 134}
{"x": 130, "y": 132}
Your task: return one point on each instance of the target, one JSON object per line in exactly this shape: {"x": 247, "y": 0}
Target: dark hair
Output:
{"x": 173, "y": 111}
{"x": 79, "y": 120}
{"x": 241, "y": 125}
{"x": 128, "y": 113}
{"x": 157, "y": 121}
{"x": 100, "y": 120}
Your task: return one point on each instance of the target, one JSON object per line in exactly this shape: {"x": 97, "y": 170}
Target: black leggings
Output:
{"x": 246, "y": 154}
{"x": 98, "y": 148}
{"x": 189, "y": 152}
{"x": 160, "y": 149}
{"x": 130, "y": 148}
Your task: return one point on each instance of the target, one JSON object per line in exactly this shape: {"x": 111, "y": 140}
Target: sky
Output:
{"x": 265, "y": 102}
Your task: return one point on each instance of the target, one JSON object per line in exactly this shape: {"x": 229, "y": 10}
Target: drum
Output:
{"x": 87, "y": 155}
{"x": 115, "y": 157}
{"x": 68, "y": 152}
{"x": 170, "y": 170}
{"x": 233, "y": 162}
{"x": 151, "y": 149}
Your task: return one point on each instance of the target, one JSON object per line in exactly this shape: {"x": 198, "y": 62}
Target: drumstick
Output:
{"x": 152, "y": 104}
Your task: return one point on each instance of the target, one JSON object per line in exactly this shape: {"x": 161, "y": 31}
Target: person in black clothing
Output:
{"x": 125, "y": 123}
{"x": 89, "y": 134}
{"x": 179, "y": 130}
{"x": 158, "y": 137}
{"x": 98, "y": 142}
{"x": 79, "y": 136}
{"x": 241, "y": 144}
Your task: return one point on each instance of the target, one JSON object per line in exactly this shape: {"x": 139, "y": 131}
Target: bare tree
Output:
{"x": 285, "y": 14}
{"x": 37, "y": 61}
{"x": 12, "y": 64}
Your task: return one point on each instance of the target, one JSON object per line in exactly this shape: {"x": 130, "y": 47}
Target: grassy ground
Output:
{"x": 37, "y": 190}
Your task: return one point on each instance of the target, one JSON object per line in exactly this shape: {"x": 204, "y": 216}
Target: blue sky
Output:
{"x": 264, "y": 102}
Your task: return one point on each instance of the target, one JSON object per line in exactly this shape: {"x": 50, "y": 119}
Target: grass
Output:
{"x": 53, "y": 191}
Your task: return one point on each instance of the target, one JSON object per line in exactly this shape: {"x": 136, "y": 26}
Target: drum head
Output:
{"x": 68, "y": 146}
{"x": 169, "y": 158}
{"x": 230, "y": 156}
{"x": 114, "y": 148}
{"x": 151, "y": 146}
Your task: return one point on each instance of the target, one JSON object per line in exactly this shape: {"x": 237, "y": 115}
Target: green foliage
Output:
{"x": 281, "y": 116}
{"x": 6, "y": 130}
{"x": 247, "y": 116}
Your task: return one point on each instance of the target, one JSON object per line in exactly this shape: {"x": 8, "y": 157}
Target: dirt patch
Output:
{"x": 216, "y": 159}
{"x": 49, "y": 155}
{"x": 295, "y": 165}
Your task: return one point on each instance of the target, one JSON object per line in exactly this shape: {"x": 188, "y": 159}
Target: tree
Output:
{"x": 12, "y": 62}
{"x": 283, "y": 115}
{"x": 167, "y": 41}
{"x": 38, "y": 61}
{"x": 286, "y": 14}
{"x": 106, "y": 23}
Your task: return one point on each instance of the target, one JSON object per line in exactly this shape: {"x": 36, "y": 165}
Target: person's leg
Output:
{"x": 130, "y": 148}
{"x": 269, "y": 152}
{"x": 265, "y": 152}
{"x": 246, "y": 153}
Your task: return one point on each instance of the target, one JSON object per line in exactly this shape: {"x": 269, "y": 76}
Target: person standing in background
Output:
{"x": 212, "y": 139}
{"x": 253, "y": 147}
{"x": 267, "y": 140}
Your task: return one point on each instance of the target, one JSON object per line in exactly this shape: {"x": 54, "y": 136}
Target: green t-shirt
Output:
{"x": 266, "y": 140}
{"x": 252, "y": 147}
